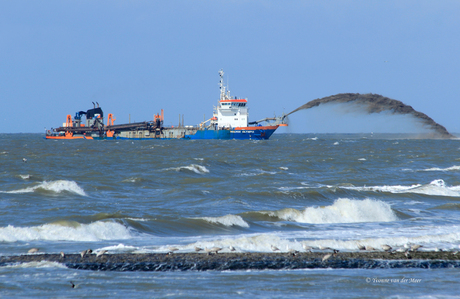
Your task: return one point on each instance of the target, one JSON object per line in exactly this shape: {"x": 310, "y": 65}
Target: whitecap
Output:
{"x": 343, "y": 210}
{"x": 24, "y": 176}
{"x": 41, "y": 264}
{"x": 442, "y": 236}
{"x": 246, "y": 243}
{"x": 390, "y": 189}
{"x": 258, "y": 172}
{"x": 192, "y": 167}
{"x": 132, "y": 180}
{"x": 227, "y": 220}
{"x": 452, "y": 168}
{"x": 137, "y": 219}
{"x": 120, "y": 248}
{"x": 53, "y": 186}
{"x": 436, "y": 187}
{"x": 396, "y": 242}
{"x": 96, "y": 231}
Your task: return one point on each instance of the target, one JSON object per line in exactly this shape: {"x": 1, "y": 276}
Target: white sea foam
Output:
{"x": 24, "y": 176}
{"x": 192, "y": 167}
{"x": 436, "y": 187}
{"x": 227, "y": 220}
{"x": 390, "y": 189}
{"x": 258, "y": 172}
{"x": 343, "y": 210}
{"x": 132, "y": 180}
{"x": 53, "y": 186}
{"x": 96, "y": 231}
{"x": 254, "y": 243}
{"x": 452, "y": 168}
{"x": 120, "y": 248}
{"x": 41, "y": 264}
{"x": 445, "y": 237}
{"x": 138, "y": 219}
{"x": 396, "y": 239}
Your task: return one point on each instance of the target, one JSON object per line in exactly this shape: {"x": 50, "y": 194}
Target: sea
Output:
{"x": 144, "y": 196}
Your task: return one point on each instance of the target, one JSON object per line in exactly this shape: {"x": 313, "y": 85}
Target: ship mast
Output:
{"x": 224, "y": 95}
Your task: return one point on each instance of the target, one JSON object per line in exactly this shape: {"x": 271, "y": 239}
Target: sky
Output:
{"x": 137, "y": 57}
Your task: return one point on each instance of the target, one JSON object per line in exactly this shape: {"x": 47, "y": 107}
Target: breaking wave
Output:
{"x": 258, "y": 172}
{"x": 41, "y": 264}
{"x": 442, "y": 236}
{"x": 58, "y": 186}
{"x": 343, "y": 210}
{"x": 432, "y": 237}
{"x": 227, "y": 220}
{"x": 436, "y": 187}
{"x": 66, "y": 231}
{"x": 452, "y": 168}
{"x": 192, "y": 167}
{"x": 120, "y": 248}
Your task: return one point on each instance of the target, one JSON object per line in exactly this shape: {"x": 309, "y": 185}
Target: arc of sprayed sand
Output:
{"x": 375, "y": 103}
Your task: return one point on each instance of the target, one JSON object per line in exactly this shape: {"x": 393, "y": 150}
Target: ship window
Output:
{"x": 236, "y": 118}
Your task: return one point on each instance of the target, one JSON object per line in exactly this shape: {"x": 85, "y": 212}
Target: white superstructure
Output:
{"x": 229, "y": 113}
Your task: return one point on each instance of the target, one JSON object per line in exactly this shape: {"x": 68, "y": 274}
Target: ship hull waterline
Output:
{"x": 240, "y": 133}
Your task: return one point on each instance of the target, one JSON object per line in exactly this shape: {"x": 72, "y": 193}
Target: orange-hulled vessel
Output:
{"x": 229, "y": 121}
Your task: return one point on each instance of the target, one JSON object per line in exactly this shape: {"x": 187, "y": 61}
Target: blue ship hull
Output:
{"x": 247, "y": 133}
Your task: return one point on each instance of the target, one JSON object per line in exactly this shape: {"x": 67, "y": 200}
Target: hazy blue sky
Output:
{"x": 136, "y": 57}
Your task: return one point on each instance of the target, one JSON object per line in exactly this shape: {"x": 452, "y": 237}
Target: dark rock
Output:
{"x": 244, "y": 261}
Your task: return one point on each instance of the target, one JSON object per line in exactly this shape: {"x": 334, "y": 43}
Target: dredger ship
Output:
{"x": 229, "y": 121}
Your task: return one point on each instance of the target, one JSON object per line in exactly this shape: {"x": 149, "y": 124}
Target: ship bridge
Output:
{"x": 230, "y": 112}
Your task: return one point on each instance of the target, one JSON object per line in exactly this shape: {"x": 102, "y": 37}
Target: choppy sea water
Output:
{"x": 146, "y": 196}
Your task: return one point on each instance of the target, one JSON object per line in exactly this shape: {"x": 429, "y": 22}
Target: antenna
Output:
{"x": 221, "y": 85}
